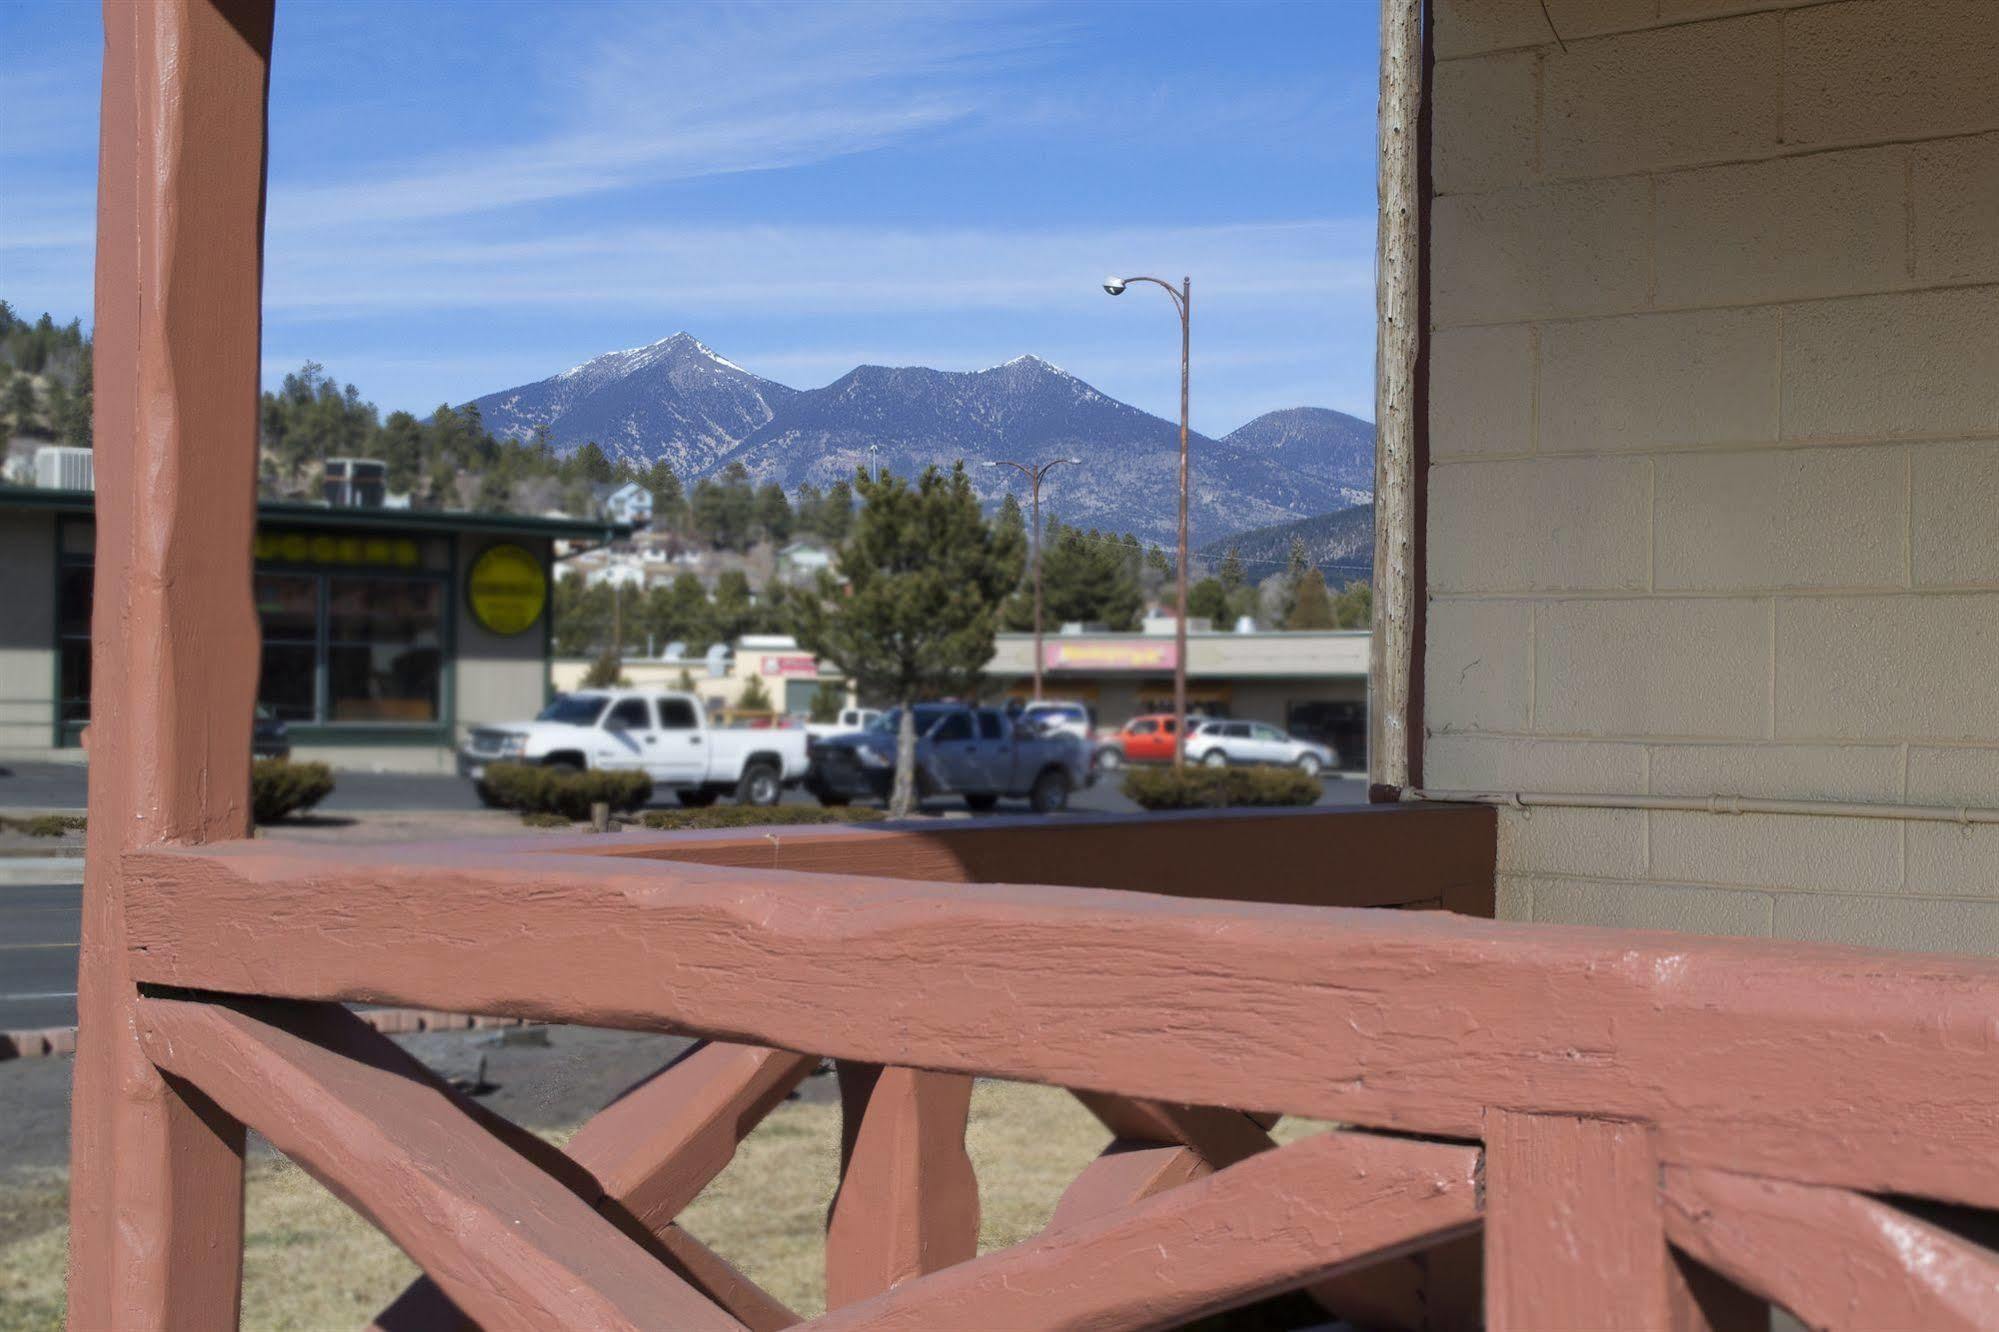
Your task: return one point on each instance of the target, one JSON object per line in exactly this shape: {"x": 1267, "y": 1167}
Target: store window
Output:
{"x": 341, "y": 647}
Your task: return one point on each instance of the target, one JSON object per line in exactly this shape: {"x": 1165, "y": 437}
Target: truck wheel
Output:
{"x": 697, "y": 797}
{"x": 1051, "y": 792}
{"x": 979, "y": 804}
{"x": 760, "y": 786}
{"x": 1109, "y": 760}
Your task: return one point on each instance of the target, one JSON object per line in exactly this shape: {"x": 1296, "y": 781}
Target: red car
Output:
{"x": 1148, "y": 739}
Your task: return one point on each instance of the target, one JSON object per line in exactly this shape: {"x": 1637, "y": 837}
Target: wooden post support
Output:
{"x": 908, "y": 1201}
{"x": 1392, "y": 668}
{"x": 1574, "y": 1231}
{"x": 156, "y": 1195}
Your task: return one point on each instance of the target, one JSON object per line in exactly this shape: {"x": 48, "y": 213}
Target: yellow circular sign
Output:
{"x": 508, "y": 589}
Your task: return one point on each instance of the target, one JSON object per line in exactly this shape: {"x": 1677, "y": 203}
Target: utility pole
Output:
{"x": 1034, "y": 472}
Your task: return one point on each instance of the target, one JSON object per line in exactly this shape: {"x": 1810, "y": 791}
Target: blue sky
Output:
{"x": 466, "y": 196}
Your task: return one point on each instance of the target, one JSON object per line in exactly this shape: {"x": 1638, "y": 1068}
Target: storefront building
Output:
{"x": 789, "y": 676}
{"x": 386, "y": 633}
{"x": 1312, "y": 684}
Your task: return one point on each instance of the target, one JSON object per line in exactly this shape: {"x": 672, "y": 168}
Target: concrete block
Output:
{"x": 1486, "y": 134}
{"x": 1657, "y": 666}
{"x": 1540, "y": 250}
{"x": 1467, "y": 27}
{"x": 1499, "y": 763}
{"x": 1779, "y": 518}
{"x": 1873, "y": 70}
{"x": 1946, "y": 860}
{"x": 1696, "y": 92}
{"x": 1514, "y": 899}
{"x": 1954, "y": 209}
{"x": 1888, "y": 667}
{"x": 1953, "y": 519}
{"x": 1478, "y": 666}
{"x": 1955, "y": 776}
{"x": 1778, "y": 851}
{"x": 1553, "y": 524}
{"x": 1779, "y": 772}
{"x": 1589, "y": 843}
{"x": 1916, "y": 363}
{"x": 1481, "y": 391}
{"x": 1901, "y": 923}
{"x": 1641, "y": 381}
{"x": 1651, "y": 906}
{"x": 1828, "y": 224}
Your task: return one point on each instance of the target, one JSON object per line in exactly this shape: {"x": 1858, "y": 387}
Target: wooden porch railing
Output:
{"x": 1623, "y": 1119}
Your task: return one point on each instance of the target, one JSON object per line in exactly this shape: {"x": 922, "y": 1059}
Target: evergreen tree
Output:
{"x": 827, "y": 700}
{"x": 773, "y": 514}
{"x": 1232, "y": 576}
{"x": 590, "y": 465}
{"x": 837, "y": 516}
{"x": 734, "y": 611}
{"x": 1353, "y": 608}
{"x": 1311, "y": 606}
{"x": 21, "y": 404}
{"x": 926, "y": 575}
{"x": 582, "y": 616}
{"x": 1088, "y": 577}
{"x": 669, "y": 501}
{"x": 754, "y": 698}
{"x": 723, "y": 508}
{"x": 1208, "y": 599}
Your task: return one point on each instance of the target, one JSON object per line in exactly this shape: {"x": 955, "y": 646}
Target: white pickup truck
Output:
{"x": 664, "y": 734}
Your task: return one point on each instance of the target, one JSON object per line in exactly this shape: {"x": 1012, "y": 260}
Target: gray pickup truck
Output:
{"x": 978, "y": 753}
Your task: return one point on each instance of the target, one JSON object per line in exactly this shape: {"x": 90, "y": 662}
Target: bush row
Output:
{"x": 280, "y": 788}
{"x": 43, "y": 825}
{"x": 756, "y": 816}
{"x": 538, "y": 790}
{"x": 1218, "y": 788}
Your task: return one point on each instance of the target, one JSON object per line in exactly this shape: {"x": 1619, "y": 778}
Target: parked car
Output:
{"x": 1147, "y": 739}
{"x": 1052, "y": 715}
{"x": 1220, "y": 743}
{"x": 268, "y": 737}
{"x": 978, "y": 753}
{"x": 849, "y": 721}
{"x": 664, "y": 734}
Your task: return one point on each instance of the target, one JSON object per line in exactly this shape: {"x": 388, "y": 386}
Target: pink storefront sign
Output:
{"x": 1101, "y": 656}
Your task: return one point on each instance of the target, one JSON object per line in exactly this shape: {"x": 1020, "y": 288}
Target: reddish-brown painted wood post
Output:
{"x": 908, "y": 1201}
{"x": 1574, "y": 1228}
{"x": 156, "y": 1196}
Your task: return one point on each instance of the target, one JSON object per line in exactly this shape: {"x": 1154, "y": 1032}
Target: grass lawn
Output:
{"x": 310, "y": 1263}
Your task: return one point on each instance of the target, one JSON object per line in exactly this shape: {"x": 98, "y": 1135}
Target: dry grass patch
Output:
{"x": 311, "y": 1263}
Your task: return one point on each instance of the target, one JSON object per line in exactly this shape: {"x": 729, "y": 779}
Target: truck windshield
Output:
{"x": 573, "y": 709}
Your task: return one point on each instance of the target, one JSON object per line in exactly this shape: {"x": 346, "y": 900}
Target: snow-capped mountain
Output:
{"x": 673, "y": 399}
{"x": 679, "y": 401}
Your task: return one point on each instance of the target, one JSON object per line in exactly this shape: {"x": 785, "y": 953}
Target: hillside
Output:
{"x": 1340, "y": 543}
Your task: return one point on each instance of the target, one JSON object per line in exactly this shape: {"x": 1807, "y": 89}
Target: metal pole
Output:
{"x": 1180, "y": 625}
{"x": 1034, "y": 488}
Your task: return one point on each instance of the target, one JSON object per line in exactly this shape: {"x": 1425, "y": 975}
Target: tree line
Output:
{"x": 45, "y": 387}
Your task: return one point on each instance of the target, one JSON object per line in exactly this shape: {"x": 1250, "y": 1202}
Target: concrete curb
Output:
{"x": 37, "y": 1043}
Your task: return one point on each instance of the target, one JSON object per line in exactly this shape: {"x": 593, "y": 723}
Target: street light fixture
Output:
{"x": 1183, "y": 301}
{"x": 1034, "y": 472}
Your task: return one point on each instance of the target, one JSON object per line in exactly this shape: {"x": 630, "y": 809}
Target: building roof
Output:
{"x": 288, "y": 512}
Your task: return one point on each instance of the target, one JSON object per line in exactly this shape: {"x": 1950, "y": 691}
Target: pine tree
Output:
{"x": 1311, "y": 605}
{"x": 773, "y": 514}
{"x": 1208, "y": 600}
{"x": 754, "y": 698}
{"x": 1232, "y": 575}
{"x": 590, "y": 464}
{"x": 926, "y": 575}
{"x": 21, "y": 404}
{"x": 1354, "y": 607}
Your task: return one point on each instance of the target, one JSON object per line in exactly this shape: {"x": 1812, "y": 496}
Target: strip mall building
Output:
{"x": 386, "y": 633}
{"x": 1311, "y": 683}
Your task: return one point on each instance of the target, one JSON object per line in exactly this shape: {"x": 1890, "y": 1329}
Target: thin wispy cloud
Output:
{"x": 668, "y": 94}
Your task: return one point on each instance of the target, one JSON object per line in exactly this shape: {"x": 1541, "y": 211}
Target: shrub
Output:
{"x": 607, "y": 670}
{"x": 1217, "y": 788}
{"x": 45, "y": 825}
{"x": 756, "y": 816}
{"x": 533, "y": 789}
{"x": 535, "y": 819}
{"x": 280, "y": 788}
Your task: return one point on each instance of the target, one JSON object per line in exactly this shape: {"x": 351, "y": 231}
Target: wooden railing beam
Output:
{"x": 511, "y": 1246}
{"x": 1272, "y": 1223}
{"x": 1835, "y": 1259}
{"x": 1742, "y": 1053}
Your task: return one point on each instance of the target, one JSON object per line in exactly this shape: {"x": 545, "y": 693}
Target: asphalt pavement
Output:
{"x": 39, "y": 929}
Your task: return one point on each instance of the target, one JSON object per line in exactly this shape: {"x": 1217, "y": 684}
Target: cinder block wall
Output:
{"x": 1714, "y": 496}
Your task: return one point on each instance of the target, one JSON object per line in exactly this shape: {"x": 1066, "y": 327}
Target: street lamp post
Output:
{"x": 1034, "y": 472}
{"x": 1183, "y": 301}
